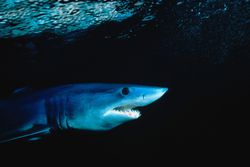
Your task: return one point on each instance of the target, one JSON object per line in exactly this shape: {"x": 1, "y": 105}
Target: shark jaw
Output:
{"x": 129, "y": 112}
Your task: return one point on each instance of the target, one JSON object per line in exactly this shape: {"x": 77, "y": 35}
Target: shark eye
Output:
{"x": 125, "y": 91}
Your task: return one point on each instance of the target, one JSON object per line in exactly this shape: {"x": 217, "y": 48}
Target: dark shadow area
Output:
{"x": 200, "y": 113}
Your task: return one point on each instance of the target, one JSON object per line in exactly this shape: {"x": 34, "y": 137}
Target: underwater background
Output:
{"x": 198, "y": 49}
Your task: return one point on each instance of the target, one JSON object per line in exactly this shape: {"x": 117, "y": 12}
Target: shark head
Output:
{"x": 105, "y": 106}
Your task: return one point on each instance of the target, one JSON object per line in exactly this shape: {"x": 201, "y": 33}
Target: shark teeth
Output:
{"x": 125, "y": 112}
{"x": 128, "y": 112}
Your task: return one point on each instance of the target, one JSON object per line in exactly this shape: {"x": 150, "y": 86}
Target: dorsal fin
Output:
{"x": 21, "y": 90}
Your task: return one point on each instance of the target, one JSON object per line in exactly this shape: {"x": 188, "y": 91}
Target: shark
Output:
{"x": 30, "y": 115}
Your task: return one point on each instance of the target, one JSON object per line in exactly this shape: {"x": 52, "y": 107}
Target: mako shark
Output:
{"x": 96, "y": 106}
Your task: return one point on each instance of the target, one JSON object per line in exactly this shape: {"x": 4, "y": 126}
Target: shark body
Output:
{"x": 94, "y": 106}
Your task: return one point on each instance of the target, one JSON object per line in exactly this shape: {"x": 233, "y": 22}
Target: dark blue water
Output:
{"x": 199, "y": 49}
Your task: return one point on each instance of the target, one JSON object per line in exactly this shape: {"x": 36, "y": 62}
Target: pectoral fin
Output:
{"x": 34, "y": 133}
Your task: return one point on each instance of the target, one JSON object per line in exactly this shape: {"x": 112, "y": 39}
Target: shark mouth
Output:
{"x": 126, "y": 111}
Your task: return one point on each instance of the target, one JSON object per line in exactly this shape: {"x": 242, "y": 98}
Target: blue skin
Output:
{"x": 76, "y": 106}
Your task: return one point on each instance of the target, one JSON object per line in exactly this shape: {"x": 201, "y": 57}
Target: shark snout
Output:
{"x": 152, "y": 95}
{"x": 163, "y": 90}
{"x": 159, "y": 92}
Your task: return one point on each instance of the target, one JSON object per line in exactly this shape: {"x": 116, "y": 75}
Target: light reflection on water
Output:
{"x": 22, "y": 17}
